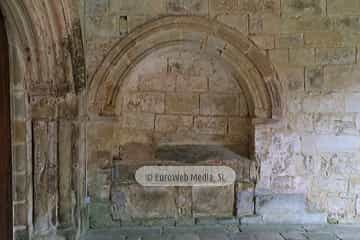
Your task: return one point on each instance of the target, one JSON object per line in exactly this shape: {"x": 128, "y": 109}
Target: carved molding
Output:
{"x": 47, "y": 56}
{"x": 253, "y": 69}
{"x": 48, "y": 36}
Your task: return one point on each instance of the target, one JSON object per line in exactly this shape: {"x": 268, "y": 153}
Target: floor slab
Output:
{"x": 245, "y": 232}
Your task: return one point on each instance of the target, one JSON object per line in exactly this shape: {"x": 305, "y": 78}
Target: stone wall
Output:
{"x": 314, "y": 47}
{"x": 310, "y": 146}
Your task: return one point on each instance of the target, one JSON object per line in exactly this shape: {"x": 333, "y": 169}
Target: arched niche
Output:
{"x": 251, "y": 67}
{"x": 129, "y": 134}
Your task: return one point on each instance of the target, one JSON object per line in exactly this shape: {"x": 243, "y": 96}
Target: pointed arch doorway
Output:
{"x": 5, "y": 138}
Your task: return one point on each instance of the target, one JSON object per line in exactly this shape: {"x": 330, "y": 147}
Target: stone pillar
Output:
{"x": 66, "y": 207}
{"x": 45, "y": 175}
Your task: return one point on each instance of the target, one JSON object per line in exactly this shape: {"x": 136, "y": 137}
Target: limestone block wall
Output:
{"x": 314, "y": 46}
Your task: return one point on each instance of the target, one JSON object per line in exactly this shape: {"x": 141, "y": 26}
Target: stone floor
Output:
{"x": 232, "y": 232}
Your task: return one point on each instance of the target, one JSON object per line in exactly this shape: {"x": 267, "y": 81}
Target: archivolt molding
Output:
{"x": 46, "y": 34}
{"x": 252, "y": 68}
{"x": 46, "y": 55}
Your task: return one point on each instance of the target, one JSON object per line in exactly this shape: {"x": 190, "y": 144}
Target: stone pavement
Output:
{"x": 231, "y": 232}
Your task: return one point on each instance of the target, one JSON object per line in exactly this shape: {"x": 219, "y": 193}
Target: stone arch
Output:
{"x": 47, "y": 35}
{"x": 252, "y": 68}
{"x": 46, "y": 70}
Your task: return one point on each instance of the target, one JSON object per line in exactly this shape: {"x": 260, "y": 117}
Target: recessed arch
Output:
{"x": 45, "y": 34}
{"x": 252, "y": 67}
{"x": 46, "y": 63}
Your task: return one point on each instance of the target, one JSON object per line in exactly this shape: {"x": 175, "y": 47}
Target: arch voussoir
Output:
{"x": 255, "y": 70}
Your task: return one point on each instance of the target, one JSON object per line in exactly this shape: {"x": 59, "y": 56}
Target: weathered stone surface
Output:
{"x": 324, "y": 39}
{"x": 20, "y": 184}
{"x": 267, "y": 23}
{"x": 144, "y": 102}
{"x": 66, "y": 149}
{"x": 293, "y": 235}
{"x": 157, "y": 82}
{"x": 355, "y": 184}
{"x": 321, "y": 236}
{"x": 286, "y": 209}
{"x": 295, "y": 8}
{"x": 100, "y": 216}
{"x": 325, "y": 185}
{"x": 138, "y": 7}
{"x": 302, "y": 56}
{"x": 103, "y": 26}
{"x": 21, "y": 234}
{"x": 210, "y": 125}
{"x": 42, "y": 107}
{"x": 185, "y": 103}
{"x": 123, "y": 136}
{"x": 348, "y": 24}
{"x": 293, "y": 25}
{"x": 141, "y": 202}
{"x": 280, "y": 57}
{"x": 223, "y": 82}
{"x": 338, "y": 124}
{"x": 137, "y": 152}
{"x": 19, "y": 160}
{"x": 293, "y": 40}
{"x": 190, "y": 236}
{"x": 335, "y": 55}
{"x": 244, "y": 107}
{"x": 184, "y": 205}
{"x": 68, "y": 107}
{"x": 173, "y": 123}
{"x": 95, "y": 7}
{"x": 240, "y": 126}
{"x": 345, "y": 7}
{"x": 339, "y": 206}
{"x": 19, "y": 132}
{"x": 20, "y": 214}
{"x": 245, "y": 6}
{"x": 343, "y": 77}
{"x": 192, "y": 83}
{"x": 238, "y": 22}
{"x": 314, "y": 78}
{"x": 351, "y": 103}
{"x": 245, "y": 204}
{"x": 45, "y": 175}
{"x": 99, "y": 184}
{"x": 294, "y": 77}
{"x": 137, "y": 21}
{"x": 99, "y": 47}
{"x": 197, "y": 7}
{"x": 264, "y": 41}
{"x": 329, "y": 103}
{"x": 19, "y": 106}
{"x": 302, "y": 122}
{"x": 214, "y": 105}
{"x": 213, "y": 201}
{"x": 140, "y": 121}
{"x": 270, "y": 236}
{"x": 331, "y": 144}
